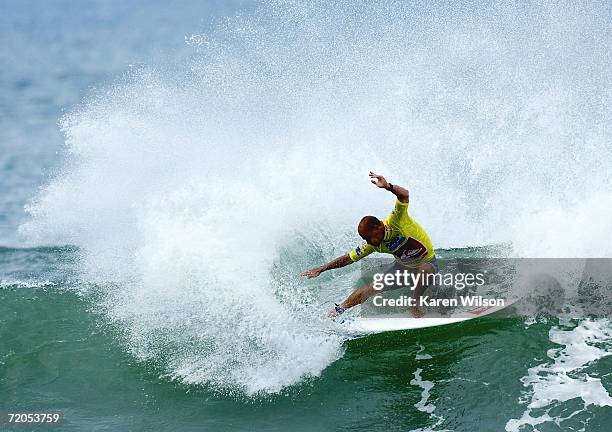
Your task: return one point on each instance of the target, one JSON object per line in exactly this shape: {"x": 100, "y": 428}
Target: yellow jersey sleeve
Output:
{"x": 361, "y": 251}
{"x": 399, "y": 213}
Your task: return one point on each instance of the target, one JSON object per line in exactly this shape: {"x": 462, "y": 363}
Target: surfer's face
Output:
{"x": 376, "y": 236}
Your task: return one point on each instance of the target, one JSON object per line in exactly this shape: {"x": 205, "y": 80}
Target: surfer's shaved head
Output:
{"x": 371, "y": 229}
{"x": 367, "y": 224}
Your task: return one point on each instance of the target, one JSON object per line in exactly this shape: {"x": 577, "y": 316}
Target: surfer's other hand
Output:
{"x": 378, "y": 180}
{"x": 312, "y": 273}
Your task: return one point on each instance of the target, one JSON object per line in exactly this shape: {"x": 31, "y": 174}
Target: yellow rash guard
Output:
{"x": 404, "y": 239}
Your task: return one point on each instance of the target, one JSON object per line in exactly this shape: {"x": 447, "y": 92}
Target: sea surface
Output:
{"x": 167, "y": 169}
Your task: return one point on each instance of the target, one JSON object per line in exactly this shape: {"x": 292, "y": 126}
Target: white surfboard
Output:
{"x": 395, "y": 322}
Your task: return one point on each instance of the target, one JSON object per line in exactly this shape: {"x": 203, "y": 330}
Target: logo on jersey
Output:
{"x": 410, "y": 250}
{"x": 396, "y": 242}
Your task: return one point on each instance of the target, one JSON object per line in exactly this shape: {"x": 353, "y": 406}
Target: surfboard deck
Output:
{"x": 396, "y": 322}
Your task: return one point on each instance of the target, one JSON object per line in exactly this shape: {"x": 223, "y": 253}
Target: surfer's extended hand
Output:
{"x": 339, "y": 262}
{"x": 378, "y": 180}
{"x": 312, "y": 273}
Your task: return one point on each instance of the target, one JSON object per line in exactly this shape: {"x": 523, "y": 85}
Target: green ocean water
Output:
{"x": 59, "y": 353}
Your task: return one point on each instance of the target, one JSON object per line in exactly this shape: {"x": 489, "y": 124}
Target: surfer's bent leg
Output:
{"x": 425, "y": 268}
{"x": 360, "y": 295}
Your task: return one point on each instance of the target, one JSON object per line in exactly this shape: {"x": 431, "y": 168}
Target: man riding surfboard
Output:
{"x": 399, "y": 235}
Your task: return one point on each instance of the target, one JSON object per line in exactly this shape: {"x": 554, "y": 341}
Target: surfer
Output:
{"x": 398, "y": 235}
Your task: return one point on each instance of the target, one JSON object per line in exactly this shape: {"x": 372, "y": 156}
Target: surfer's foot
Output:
{"x": 416, "y": 312}
{"x": 334, "y": 313}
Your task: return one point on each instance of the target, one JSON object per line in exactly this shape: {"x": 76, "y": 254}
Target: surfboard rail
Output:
{"x": 396, "y": 322}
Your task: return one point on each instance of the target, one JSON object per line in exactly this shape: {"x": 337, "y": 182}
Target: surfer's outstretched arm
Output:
{"x": 400, "y": 192}
{"x": 339, "y": 262}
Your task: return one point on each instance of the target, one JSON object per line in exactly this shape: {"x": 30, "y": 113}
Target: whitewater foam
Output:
{"x": 552, "y": 383}
{"x": 424, "y": 405}
{"x": 186, "y": 186}
{"x": 18, "y": 283}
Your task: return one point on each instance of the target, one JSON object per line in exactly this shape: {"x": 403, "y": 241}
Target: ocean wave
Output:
{"x": 202, "y": 190}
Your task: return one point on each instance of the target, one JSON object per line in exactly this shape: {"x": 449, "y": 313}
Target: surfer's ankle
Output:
{"x": 339, "y": 309}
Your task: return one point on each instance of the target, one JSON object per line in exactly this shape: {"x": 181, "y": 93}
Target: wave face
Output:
{"x": 197, "y": 191}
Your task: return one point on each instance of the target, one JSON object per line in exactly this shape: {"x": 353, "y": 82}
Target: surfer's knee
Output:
{"x": 426, "y": 268}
